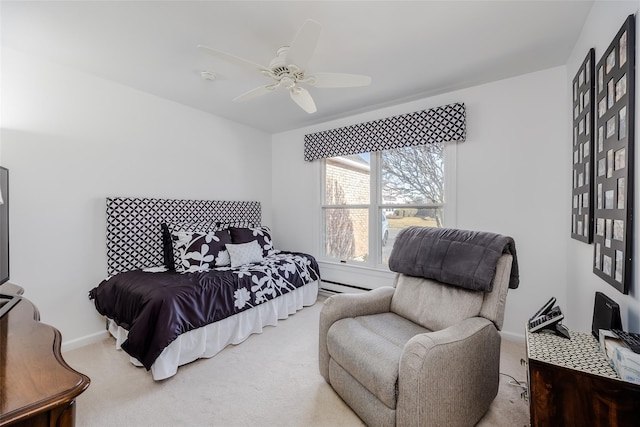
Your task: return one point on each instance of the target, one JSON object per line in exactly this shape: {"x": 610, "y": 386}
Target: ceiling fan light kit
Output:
{"x": 289, "y": 69}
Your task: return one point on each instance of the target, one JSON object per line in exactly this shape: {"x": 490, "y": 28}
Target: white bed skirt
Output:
{"x": 208, "y": 340}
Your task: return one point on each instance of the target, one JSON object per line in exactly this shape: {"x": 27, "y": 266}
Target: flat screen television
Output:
{"x": 6, "y": 301}
{"x": 4, "y": 225}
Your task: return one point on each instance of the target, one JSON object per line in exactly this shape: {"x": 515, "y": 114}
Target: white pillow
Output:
{"x": 244, "y": 253}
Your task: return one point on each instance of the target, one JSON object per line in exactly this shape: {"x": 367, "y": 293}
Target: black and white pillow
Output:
{"x": 171, "y": 258}
{"x": 261, "y": 234}
{"x": 235, "y": 224}
{"x": 200, "y": 251}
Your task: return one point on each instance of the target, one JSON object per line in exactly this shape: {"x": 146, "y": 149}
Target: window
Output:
{"x": 368, "y": 198}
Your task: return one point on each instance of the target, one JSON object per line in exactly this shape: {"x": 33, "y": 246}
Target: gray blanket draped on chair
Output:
{"x": 458, "y": 257}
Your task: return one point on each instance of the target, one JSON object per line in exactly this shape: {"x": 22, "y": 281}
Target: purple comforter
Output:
{"x": 157, "y": 307}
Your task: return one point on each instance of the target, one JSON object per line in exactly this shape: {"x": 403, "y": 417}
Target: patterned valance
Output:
{"x": 440, "y": 124}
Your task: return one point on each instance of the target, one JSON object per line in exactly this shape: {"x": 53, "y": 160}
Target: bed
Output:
{"x": 186, "y": 278}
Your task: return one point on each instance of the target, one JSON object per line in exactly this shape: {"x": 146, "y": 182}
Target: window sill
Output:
{"x": 354, "y": 275}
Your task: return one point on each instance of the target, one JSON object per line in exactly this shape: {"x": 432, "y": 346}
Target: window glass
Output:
{"x": 412, "y": 191}
{"x": 347, "y": 234}
{"x": 368, "y": 198}
{"x": 413, "y": 175}
{"x": 347, "y": 197}
{"x": 348, "y": 180}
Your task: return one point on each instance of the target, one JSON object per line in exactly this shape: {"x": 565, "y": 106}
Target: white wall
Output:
{"x": 511, "y": 178}
{"x": 601, "y": 26}
{"x": 70, "y": 140}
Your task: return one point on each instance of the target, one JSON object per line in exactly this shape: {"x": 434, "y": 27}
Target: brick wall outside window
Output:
{"x": 350, "y": 185}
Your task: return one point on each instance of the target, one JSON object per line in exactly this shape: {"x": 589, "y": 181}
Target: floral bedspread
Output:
{"x": 156, "y": 307}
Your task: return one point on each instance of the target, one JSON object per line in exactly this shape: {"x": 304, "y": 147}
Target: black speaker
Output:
{"x": 606, "y": 314}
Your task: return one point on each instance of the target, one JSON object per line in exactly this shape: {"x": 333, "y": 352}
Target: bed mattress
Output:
{"x": 209, "y": 340}
{"x": 155, "y": 308}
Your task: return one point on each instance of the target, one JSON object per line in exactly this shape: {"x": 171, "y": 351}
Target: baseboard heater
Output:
{"x": 360, "y": 288}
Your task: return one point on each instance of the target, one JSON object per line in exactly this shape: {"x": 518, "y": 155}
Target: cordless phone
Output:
{"x": 544, "y": 309}
{"x": 549, "y": 317}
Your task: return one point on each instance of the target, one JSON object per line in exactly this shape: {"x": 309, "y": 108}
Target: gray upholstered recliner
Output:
{"x": 421, "y": 352}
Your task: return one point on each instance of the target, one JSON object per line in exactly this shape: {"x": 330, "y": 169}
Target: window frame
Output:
{"x": 375, "y": 207}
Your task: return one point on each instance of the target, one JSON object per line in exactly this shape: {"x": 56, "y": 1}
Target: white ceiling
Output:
{"x": 410, "y": 49}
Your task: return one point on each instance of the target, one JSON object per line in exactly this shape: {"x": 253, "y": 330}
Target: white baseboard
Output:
{"x": 512, "y": 336}
{"x": 325, "y": 293}
{"x": 81, "y": 342}
{"x": 334, "y": 288}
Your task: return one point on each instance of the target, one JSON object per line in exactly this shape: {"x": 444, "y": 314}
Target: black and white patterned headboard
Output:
{"x": 134, "y": 237}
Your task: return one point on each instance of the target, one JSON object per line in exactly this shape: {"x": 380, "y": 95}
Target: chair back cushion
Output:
{"x": 494, "y": 301}
{"x": 435, "y": 305}
{"x": 432, "y": 304}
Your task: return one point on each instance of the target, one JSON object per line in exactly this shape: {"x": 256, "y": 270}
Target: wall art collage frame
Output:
{"x": 603, "y": 137}
{"x": 583, "y": 131}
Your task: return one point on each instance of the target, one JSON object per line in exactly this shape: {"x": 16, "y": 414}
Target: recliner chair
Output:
{"x": 423, "y": 352}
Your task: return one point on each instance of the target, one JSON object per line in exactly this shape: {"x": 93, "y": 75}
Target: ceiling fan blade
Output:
{"x": 339, "y": 80}
{"x": 254, "y": 93}
{"x": 303, "y": 98}
{"x": 304, "y": 44}
{"x": 232, "y": 58}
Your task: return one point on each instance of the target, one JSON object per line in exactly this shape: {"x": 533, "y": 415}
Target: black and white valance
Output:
{"x": 440, "y": 124}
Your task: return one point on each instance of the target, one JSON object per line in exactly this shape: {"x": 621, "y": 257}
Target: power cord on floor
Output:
{"x": 521, "y": 384}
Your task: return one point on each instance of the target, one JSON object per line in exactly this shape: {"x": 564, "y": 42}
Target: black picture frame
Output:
{"x": 613, "y": 156}
{"x": 583, "y": 112}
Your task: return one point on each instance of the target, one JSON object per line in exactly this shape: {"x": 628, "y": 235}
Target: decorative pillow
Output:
{"x": 236, "y": 224}
{"x": 167, "y": 248}
{"x": 261, "y": 234}
{"x": 171, "y": 257}
{"x": 244, "y": 253}
{"x": 197, "y": 251}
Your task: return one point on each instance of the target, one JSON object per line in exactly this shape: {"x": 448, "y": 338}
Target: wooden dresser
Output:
{"x": 572, "y": 384}
{"x": 37, "y": 387}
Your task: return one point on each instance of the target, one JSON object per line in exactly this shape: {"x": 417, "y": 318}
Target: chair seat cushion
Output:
{"x": 370, "y": 347}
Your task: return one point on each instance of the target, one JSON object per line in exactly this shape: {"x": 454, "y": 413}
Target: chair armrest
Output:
{"x": 342, "y": 306}
{"x": 449, "y": 377}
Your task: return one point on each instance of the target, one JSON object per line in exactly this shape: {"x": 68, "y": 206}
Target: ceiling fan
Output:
{"x": 289, "y": 69}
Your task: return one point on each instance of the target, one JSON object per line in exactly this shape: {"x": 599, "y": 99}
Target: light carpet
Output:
{"x": 271, "y": 379}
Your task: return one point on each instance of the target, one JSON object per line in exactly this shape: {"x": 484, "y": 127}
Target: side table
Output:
{"x": 572, "y": 384}
{"x": 37, "y": 387}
